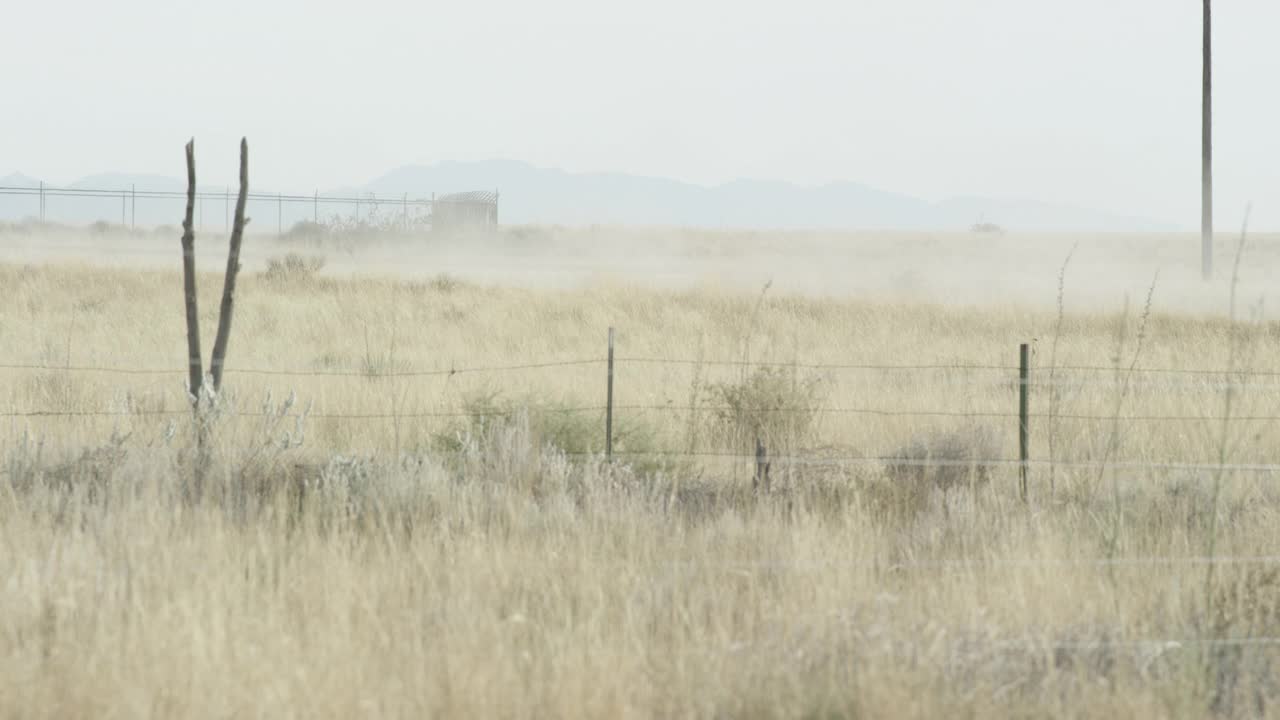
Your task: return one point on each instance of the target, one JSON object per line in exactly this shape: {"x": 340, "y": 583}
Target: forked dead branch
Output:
{"x": 204, "y": 396}
{"x": 233, "y": 269}
{"x": 197, "y": 385}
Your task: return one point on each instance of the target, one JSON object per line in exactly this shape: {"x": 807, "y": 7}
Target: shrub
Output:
{"x": 293, "y": 267}
{"x": 773, "y": 404}
{"x": 305, "y": 230}
{"x": 557, "y": 426}
{"x": 945, "y": 459}
{"x": 444, "y": 283}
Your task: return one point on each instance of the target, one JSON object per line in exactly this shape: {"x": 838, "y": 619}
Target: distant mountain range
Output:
{"x": 530, "y": 194}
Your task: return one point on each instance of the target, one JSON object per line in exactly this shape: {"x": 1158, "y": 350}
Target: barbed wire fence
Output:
{"x": 1186, "y": 379}
{"x": 1009, "y": 377}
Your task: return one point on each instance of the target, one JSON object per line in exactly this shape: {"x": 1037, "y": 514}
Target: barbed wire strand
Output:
{"x": 1011, "y": 383}
{"x": 305, "y": 373}
{"x": 496, "y": 412}
{"x": 967, "y": 367}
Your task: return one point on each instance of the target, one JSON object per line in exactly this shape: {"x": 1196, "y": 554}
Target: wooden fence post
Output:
{"x": 608, "y": 408}
{"x": 1024, "y": 381}
{"x": 761, "y": 479}
{"x": 279, "y": 213}
{"x": 133, "y": 207}
{"x": 41, "y": 202}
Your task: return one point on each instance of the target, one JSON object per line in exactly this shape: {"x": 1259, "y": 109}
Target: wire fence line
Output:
{"x": 367, "y": 198}
{"x": 409, "y": 414}
{"x": 904, "y": 461}
{"x": 1010, "y": 384}
{"x": 367, "y": 374}
{"x": 956, "y": 566}
{"x": 810, "y": 567}
{"x": 654, "y": 361}
{"x": 819, "y": 460}
{"x": 1140, "y": 370}
{"x": 93, "y": 203}
{"x": 1131, "y": 469}
{"x": 1022, "y": 381}
{"x": 914, "y": 651}
{"x": 1144, "y": 645}
{"x": 377, "y": 374}
{"x": 1148, "y": 644}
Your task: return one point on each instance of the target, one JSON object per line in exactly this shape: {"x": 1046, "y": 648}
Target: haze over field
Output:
{"x": 1090, "y": 104}
{"x": 969, "y": 269}
{"x": 726, "y": 409}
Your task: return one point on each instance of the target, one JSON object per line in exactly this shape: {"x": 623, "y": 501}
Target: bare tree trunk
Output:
{"x": 233, "y": 268}
{"x": 1206, "y": 152}
{"x": 194, "y": 366}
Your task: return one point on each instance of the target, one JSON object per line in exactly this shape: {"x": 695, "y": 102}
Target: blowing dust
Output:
{"x": 1102, "y": 271}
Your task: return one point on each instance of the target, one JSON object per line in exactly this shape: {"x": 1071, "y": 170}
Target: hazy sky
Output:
{"x": 1090, "y": 102}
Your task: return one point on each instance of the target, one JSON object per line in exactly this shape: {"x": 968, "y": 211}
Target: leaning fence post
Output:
{"x": 608, "y": 408}
{"x": 1024, "y": 389}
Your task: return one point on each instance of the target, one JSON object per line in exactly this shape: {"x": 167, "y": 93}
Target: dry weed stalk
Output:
{"x": 1055, "y": 393}
{"x": 1124, "y": 378}
{"x": 1228, "y": 403}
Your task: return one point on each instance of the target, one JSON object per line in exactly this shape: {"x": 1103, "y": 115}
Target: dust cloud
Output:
{"x": 977, "y": 269}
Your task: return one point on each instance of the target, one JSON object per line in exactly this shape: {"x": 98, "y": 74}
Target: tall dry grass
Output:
{"x": 409, "y": 565}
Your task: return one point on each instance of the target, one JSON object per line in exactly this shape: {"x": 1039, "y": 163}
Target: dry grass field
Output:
{"x": 396, "y": 522}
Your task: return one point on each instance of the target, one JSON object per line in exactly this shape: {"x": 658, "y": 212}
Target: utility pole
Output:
{"x": 1206, "y": 152}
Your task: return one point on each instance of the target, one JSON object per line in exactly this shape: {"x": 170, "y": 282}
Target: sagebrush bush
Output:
{"x": 305, "y": 230}
{"x": 444, "y": 283}
{"x": 773, "y": 404}
{"x": 558, "y": 427}
{"x": 945, "y": 459}
{"x": 293, "y": 267}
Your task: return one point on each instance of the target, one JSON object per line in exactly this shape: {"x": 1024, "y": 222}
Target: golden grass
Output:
{"x": 366, "y": 572}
